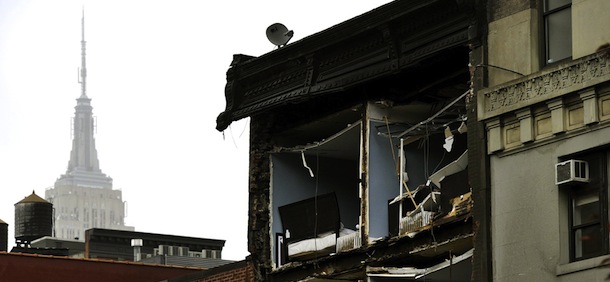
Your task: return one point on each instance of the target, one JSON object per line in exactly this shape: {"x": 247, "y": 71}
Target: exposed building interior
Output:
{"x": 360, "y": 156}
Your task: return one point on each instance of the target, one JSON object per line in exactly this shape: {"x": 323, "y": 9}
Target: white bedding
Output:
{"x": 315, "y": 244}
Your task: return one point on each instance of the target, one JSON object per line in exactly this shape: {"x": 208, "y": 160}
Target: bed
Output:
{"x": 311, "y": 227}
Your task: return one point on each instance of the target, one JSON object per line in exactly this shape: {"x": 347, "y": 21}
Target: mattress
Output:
{"x": 322, "y": 242}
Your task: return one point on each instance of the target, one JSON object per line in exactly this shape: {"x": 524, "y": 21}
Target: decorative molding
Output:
{"x": 543, "y": 126}
{"x": 494, "y": 135}
{"x": 604, "y": 106}
{"x": 589, "y": 104}
{"x": 542, "y": 86}
{"x": 447, "y": 41}
{"x": 529, "y": 127}
{"x": 556, "y": 107}
{"x": 350, "y": 53}
{"x": 526, "y": 125}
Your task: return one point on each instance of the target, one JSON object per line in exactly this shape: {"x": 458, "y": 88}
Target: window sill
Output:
{"x": 547, "y": 64}
{"x": 577, "y": 266}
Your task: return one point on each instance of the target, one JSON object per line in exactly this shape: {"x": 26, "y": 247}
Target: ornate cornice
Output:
{"x": 375, "y": 44}
{"x": 539, "y": 87}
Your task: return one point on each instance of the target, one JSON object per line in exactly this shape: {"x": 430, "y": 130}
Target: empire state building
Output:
{"x": 83, "y": 197}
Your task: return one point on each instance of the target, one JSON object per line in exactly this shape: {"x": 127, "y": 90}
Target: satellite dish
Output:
{"x": 278, "y": 34}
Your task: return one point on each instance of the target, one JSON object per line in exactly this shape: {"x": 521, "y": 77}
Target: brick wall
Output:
{"x": 32, "y": 267}
{"x": 241, "y": 271}
{"x": 259, "y": 194}
{"x": 478, "y": 167}
{"x": 245, "y": 273}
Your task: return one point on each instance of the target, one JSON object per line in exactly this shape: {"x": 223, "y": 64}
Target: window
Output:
{"x": 588, "y": 210}
{"x": 586, "y": 227}
{"x": 557, "y": 18}
{"x": 94, "y": 218}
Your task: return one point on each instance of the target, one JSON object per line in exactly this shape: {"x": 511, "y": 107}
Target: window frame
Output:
{"x": 599, "y": 183}
{"x": 575, "y": 228}
{"x": 544, "y": 29}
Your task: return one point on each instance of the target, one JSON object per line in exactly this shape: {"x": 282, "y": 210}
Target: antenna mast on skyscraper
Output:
{"x": 82, "y": 79}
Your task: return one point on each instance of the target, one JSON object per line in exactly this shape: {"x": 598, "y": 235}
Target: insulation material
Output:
{"x": 420, "y": 217}
{"x": 305, "y": 164}
{"x": 349, "y": 241}
{"x": 448, "y": 139}
{"x": 461, "y": 205}
{"x": 413, "y": 223}
{"x": 462, "y": 129}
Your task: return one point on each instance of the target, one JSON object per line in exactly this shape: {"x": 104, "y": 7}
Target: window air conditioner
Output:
{"x": 571, "y": 171}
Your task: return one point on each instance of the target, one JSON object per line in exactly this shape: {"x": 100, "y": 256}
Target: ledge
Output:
{"x": 581, "y": 265}
{"x": 544, "y": 85}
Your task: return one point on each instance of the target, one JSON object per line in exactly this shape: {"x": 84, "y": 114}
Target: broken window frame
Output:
{"x": 415, "y": 132}
{"x": 311, "y": 158}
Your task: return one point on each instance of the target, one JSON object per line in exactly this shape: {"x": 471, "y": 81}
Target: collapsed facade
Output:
{"x": 359, "y": 159}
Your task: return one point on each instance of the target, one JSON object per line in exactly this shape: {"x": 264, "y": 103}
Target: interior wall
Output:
{"x": 383, "y": 181}
{"x": 291, "y": 182}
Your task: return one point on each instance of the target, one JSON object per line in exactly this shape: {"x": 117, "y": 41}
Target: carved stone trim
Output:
{"x": 526, "y": 125}
{"x": 589, "y": 104}
{"x": 556, "y": 106}
{"x": 494, "y": 135}
{"x": 536, "y": 88}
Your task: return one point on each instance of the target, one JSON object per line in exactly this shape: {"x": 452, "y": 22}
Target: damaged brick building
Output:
{"x": 358, "y": 147}
{"x": 437, "y": 140}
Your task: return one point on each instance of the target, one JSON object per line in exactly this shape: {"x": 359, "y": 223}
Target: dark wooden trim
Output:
{"x": 379, "y": 43}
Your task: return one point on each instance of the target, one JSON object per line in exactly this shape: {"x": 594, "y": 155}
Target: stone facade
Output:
{"x": 550, "y": 112}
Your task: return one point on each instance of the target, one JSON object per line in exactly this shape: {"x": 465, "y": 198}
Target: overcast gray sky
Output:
{"x": 156, "y": 77}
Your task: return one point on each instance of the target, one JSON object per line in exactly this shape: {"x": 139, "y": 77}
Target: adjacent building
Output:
{"x": 37, "y": 267}
{"x": 240, "y": 271}
{"x": 3, "y": 236}
{"x": 122, "y": 245}
{"x": 546, "y": 113}
{"x": 144, "y": 246}
{"x": 83, "y": 197}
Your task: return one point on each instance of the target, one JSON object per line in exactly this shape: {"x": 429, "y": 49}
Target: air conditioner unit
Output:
{"x": 571, "y": 171}
{"x": 183, "y": 251}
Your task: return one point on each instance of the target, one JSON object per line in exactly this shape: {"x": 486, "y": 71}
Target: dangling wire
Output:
{"x": 315, "y": 225}
{"x": 440, "y": 162}
{"x": 426, "y": 152}
{"x": 243, "y": 130}
{"x": 396, "y": 164}
{"x": 232, "y": 137}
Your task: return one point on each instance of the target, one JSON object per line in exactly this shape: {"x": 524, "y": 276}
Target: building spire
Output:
{"x": 83, "y": 68}
{"x": 84, "y": 155}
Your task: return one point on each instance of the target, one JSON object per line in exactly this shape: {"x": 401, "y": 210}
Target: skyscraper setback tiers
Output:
{"x": 83, "y": 197}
